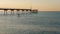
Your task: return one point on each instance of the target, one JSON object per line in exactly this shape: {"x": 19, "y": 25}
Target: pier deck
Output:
{"x": 12, "y": 10}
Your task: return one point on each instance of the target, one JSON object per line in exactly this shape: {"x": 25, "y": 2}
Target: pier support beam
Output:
{"x": 5, "y": 12}
{"x": 22, "y": 11}
{"x": 30, "y": 11}
{"x": 17, "y": 12}
{"x": 12, "y": 12}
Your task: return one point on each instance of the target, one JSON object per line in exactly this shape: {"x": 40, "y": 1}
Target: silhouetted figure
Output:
{"x": 18, "y": 15}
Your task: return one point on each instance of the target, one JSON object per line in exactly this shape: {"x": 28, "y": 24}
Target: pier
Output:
{"x": 12, "y": 10}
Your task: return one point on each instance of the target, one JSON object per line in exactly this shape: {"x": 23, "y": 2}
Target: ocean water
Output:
{"x": 34, "y": 23}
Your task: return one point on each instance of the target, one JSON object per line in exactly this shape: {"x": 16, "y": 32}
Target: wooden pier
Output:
{"x": 12, "y": 10}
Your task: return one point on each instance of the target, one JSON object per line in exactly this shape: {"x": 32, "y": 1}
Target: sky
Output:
{"x": 42, "y": 5}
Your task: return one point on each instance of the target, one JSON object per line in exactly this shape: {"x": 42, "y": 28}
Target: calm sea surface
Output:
{"x": 40, "y": 23}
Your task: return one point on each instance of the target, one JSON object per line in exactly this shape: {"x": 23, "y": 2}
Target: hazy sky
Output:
{"x": 36, "y": 4}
